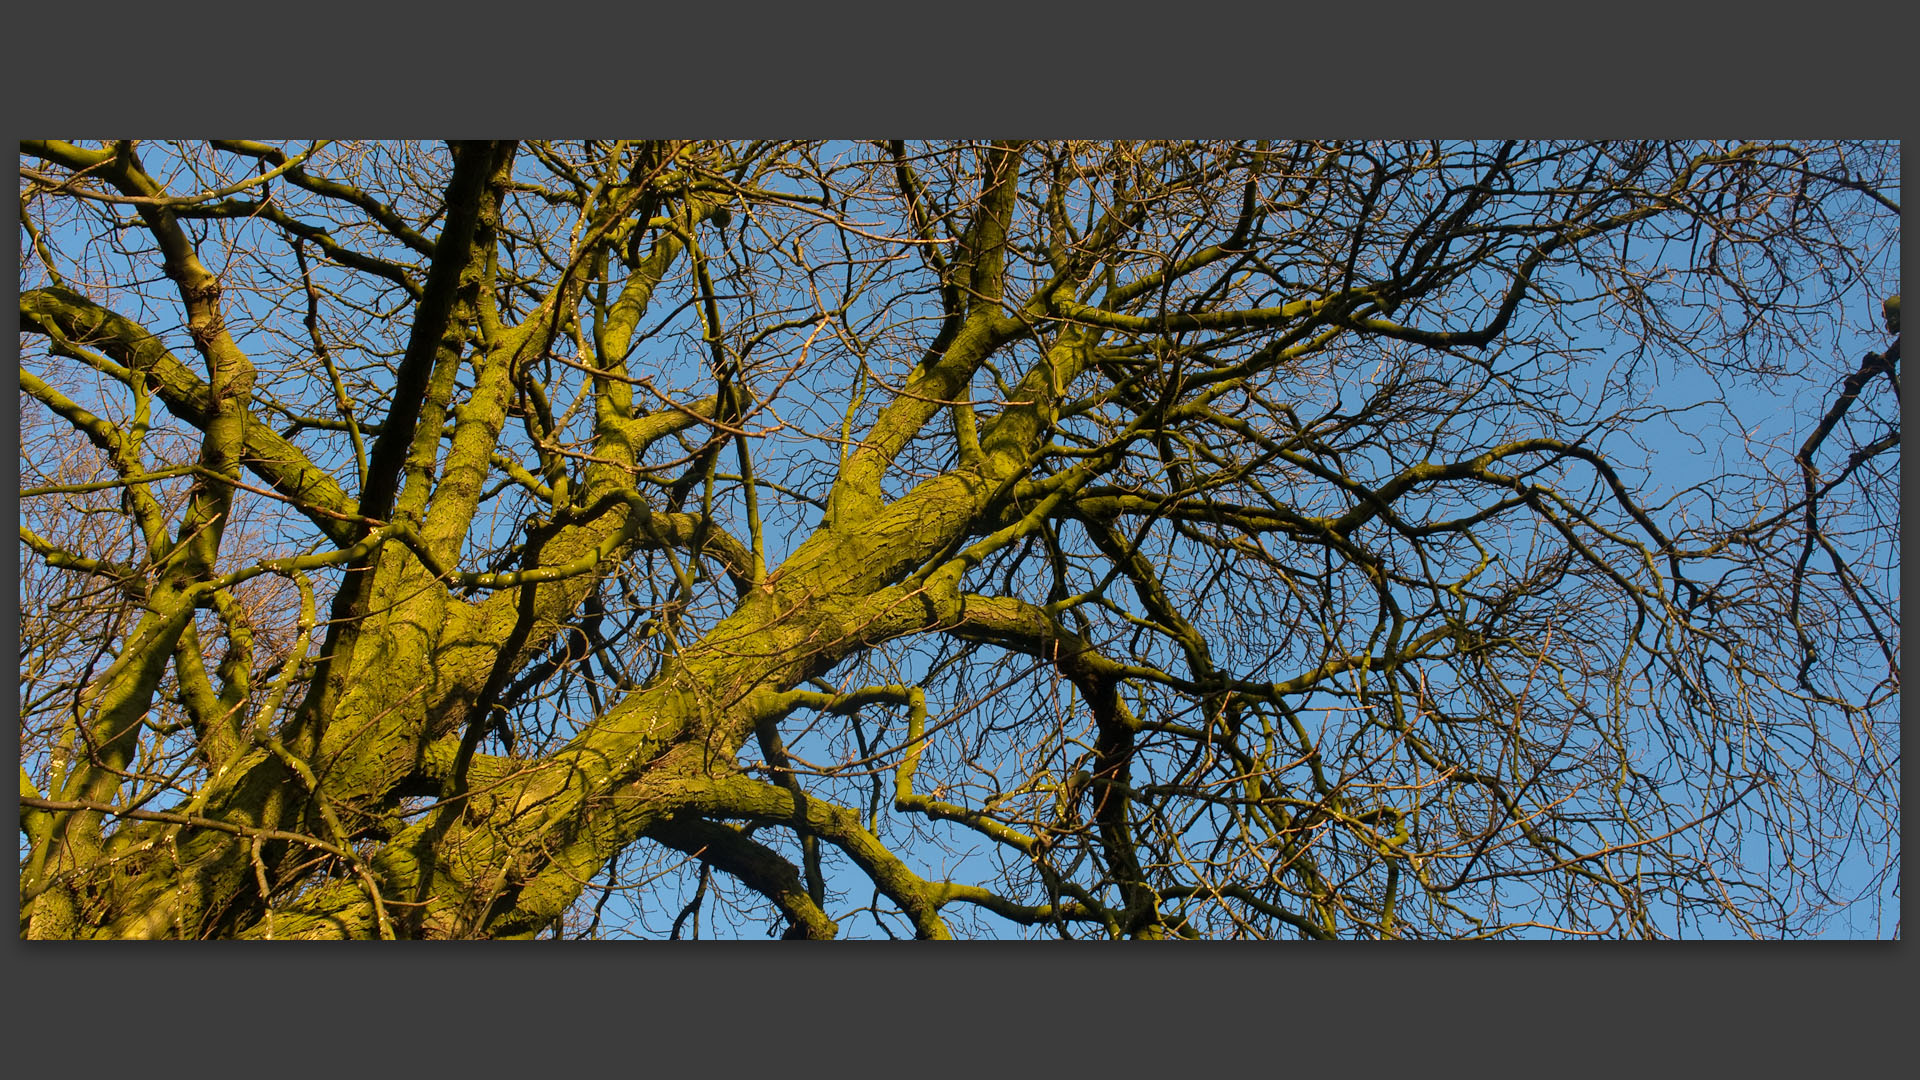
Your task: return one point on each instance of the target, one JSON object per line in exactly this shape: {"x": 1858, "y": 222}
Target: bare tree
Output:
{"x": 1255, "y": 539}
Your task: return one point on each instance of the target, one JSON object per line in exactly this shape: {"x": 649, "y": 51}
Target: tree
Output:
{"x": 1095, "y": 539}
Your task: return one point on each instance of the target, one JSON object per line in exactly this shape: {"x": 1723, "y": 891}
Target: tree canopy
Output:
{"x": 1251, "y": 539}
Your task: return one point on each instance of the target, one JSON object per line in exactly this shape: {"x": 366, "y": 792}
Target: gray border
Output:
{"x": 1643, "y": 69}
